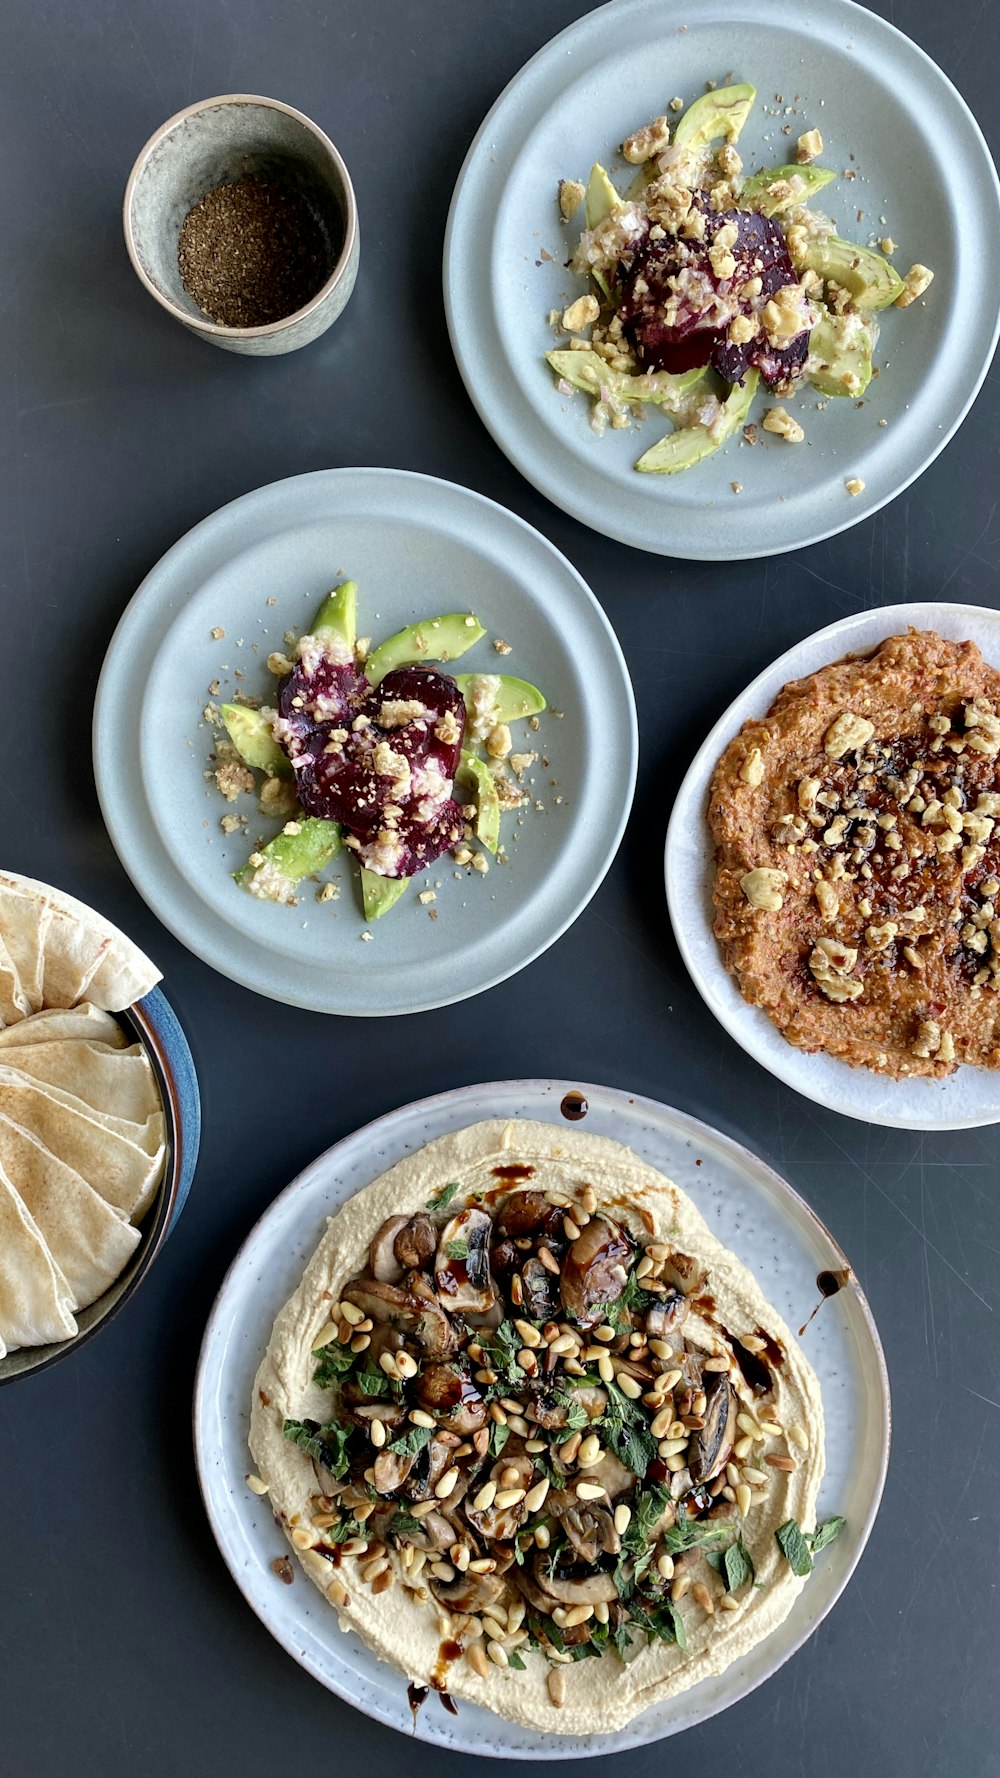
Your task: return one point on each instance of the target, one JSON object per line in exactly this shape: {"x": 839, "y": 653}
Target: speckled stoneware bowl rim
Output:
{"x": 154, "y": 1024}
{"x": 215, "y": 329}
{"x": 328, "y": 1182}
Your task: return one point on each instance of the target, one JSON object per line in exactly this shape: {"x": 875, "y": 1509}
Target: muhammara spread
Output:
{"x": 858, "y": 863}
{"x": 536, "y": 1434}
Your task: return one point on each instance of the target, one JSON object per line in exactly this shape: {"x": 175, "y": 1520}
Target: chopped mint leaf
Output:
{"x": 412, "y": 1441}
{"x": 327, "y": 1444}
{"x": 442, "y": 1199}
{"x": 577, "y": 1416}
{"x": 514, "y": 1660}
{"x": 501, "y": 1356}
{"x": 794, "y": 1547}
{"x": 402, "y": 1524}
{"x": 372, "y": 1381}
{"x": 334, "y": 1361}
{"x": 498, "y": 1438}
{"x": 626, "y": 1429}
{"x": 825, "y": 1534}
{"x": 457, "y": 1249}
{"x": 692, "y": 1534}
{"x": 738, "y": 1566}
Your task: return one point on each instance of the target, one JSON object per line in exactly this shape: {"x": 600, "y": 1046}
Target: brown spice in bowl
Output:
{"x": 253, "y": 252}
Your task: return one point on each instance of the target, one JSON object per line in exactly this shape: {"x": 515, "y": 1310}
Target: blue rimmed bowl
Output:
{"x": 153, "y": 1023}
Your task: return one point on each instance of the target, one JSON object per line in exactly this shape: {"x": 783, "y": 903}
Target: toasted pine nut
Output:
{"x": 405, "y": 1365}
{"x": 589, "y": 1491}
{"x": 377, "y": 1433}
{"x": 680, "y": 1585}
{"x": 447, "y": 1484}
{"x": 743, "y": 1498}
{"x": 786, "y": 1463}
{"x": 255, "y": 1485}
{"x": 497, "y": 1653}
{"x": 665, "y": 1566}
{"x": 578, "y": 1614}
{"x": 556, "y": 1684}
{"x": 606, "y": 1369}
{"x": 485, "y": 1498}
{"x": 628, "y": 1385}
{"x": 535, "y": 1496}
{"x": 419, "y": 1418}
{"x": 623, "y": 1519}
{"x": 351, "y": 1313}
{"x": 701, "y": 1595}
{"x": 476, "y": 1658}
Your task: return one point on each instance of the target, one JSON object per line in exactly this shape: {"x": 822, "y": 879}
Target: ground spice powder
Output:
{"x": 252, "y": 252}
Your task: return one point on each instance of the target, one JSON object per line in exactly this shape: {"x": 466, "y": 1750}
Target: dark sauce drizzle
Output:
{"x": 574, "y": 1106}
{"x": 828, "y": 1284}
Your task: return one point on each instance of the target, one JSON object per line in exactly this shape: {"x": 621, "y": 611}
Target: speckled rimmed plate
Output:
{"x": 965, "y": 1099}
{"x": 923, "y": 172}
{"x": 746, "y": 1204}
{"x": 416, "y": 546}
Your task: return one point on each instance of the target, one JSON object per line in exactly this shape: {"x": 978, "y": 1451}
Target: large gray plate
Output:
{"x": 750, "y": 1208}
{"x": 415, "y": 546}
{"x": 923, "y": 172}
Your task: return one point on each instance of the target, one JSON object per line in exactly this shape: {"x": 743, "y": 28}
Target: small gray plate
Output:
{"x": 259, "y": 567}
{"x": 750, "y": 1207}
{"x": 921, "y": 172}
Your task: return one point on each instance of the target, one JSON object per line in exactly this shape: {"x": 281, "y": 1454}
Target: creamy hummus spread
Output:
{"x": 532, "y": 1429}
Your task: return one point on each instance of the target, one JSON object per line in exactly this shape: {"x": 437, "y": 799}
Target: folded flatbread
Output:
{"x": 89, "y": 1242}
{"x": 122, "y": 1161}
{"x": 64, "y": 949}
{"x": 54, "y": 1024}
{"x": 34, "y": 1297}
{"x": 119, "y": 1083}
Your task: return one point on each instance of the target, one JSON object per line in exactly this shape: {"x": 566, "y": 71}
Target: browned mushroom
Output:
{"x": 593, "y": 1588}
{"x": 391, "y": 1470}
{"x": 416, "y": 1243}
{"x": 591, "y": 1531}
{"x": 540, "y": 1291}
{"x": 468, "y": 1593}
{"x": 710, "y": 1445}
{"x": 382, "y": 1261}
{"x": 449, "y": 1392}
{"x": 613, "y": 1477}
{"x": 462, "y": 1265}
{"x": 684, "y": 1272}
{"x": 666, "y": 1317}
{"x": 529, "y": 1213}
{"x": 430, "y": 1464}
{"x": 595, "y": 1270}
{"x": 499, "y": 1524}
{"x": 412, "y": 1310}
{"x": 432, "y": 1532}
{"x": 552, "y": 1412}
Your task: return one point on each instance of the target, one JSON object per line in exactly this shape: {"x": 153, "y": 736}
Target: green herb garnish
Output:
{"x": 794, "y": 1547}
{"x": 514, "y": 1660}
{"x": 501, "y": 1356}
{"x": 442, "y": 1199}
{"x": 327, "y": 1444}
{"x": 334, "y": 1361}
{"x": 413, "y": 1440}
{"x": 626, "y": 1430}
{"x": 738, "y": 1565}
{"x": 498, "y": 1438}
{"x": 825, "y": 1534}
{"x": 373, "y": 1382}
{"x": 457, "y": 1249}
{"x": 403, "y": 1524}
{"x": 692, "y": 1534}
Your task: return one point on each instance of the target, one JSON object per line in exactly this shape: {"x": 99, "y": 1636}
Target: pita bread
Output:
{"x": 88, "y": 1241}
{"x": 116, "y": 1082}
{"x": 73, "y": 954}
{"x": 13, "y": 1005}
{"x": 123, "y": 973}
{"x": 34, "y": 1297}
{"x": 122, "y": 1161}
{"x": 54, "y": 1025}
{"x": 24, "y": 922}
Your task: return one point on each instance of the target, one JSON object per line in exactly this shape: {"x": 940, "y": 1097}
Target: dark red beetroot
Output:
{"x": 691, "y": 341}
{"x": 354, "y": 774}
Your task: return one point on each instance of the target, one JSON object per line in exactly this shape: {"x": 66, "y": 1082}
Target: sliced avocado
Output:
{"x": 474, "y": 772}
{"x": 337, "y": 617}
{"x": 803, "y": 183}
{"x": 602, "y": 198}
{"x": 435, "y": 639}
{"x": 842, "y": 347}
{"x": 687, "y": 445}
{"x": 715, "y": 117}
{"x": 515, "y": 697}
{"x": 870, "y": 279}
{"x": 289, "y": 857}
{"x": 586, "y": 371}
{"x": 379, "y": 894}
{"x": 250, "y": 733}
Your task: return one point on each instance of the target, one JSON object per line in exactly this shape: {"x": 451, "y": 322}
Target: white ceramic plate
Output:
{"x": 966, "y": 1099}
{"x": 750, "y": 1207}
{"x": 416, "y": 546}
{"x": 885, "y": 111}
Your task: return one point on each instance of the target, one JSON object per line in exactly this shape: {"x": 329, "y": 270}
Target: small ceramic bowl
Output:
{"x": 153, "y": 1023}
{"x": 216, "y": 142}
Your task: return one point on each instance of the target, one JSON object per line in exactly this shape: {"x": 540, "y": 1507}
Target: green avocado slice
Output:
{"x": 289, "y": 857}
{"x": 337, "y": 617}
{"x": 515, "y": 698}
{"x": 586, "y": 371}
{"x": 688, "y": 445}
{"x": 842, "y": 347}
{"x": 803, "y": 184}
{"x": 435, "y": 639}
{"x": 250, "y": 733}
{"x": 602, "y": 198}
{"x": 715, "y": 117}
{"x": 379, "y": 894}
{"x": 869, "y": 278}
{"x": 475, "y": 772}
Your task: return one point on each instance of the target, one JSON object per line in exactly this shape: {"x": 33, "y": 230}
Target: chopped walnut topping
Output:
{"x": 830, "y": 964}
{"x": 643, "y": 144}
{"x": 762, "y": 888}
{"x": 581, "y": 314}
{"x": 498, "y": 741}
{"x": 752, "y": 769}
{"x": 808, "y": 147}
{"x": 848, "y": 733}
{"x": 779, "y": 420}
{"x": 827, "y": 899}
{"x": 398, "y": 712}
{"x": 571, "y": 196}
{"x": 854, "y": 485}
{"x": 914, "y": 284}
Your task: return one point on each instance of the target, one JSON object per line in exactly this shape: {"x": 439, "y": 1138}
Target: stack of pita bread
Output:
{"x": 82, "y": 1131}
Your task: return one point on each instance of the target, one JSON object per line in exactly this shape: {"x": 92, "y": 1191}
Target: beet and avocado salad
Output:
{"x": 377, "y": 753}
{"x": 706, "y": 285}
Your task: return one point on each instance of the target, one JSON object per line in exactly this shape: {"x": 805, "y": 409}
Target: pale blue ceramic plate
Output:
{"x": 416, "y": 547}
{"x": 885, "y": 111}
{"x": 750, "y": 1207}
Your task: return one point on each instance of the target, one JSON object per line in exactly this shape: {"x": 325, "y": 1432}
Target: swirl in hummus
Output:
{"x": 525, "y": 1409}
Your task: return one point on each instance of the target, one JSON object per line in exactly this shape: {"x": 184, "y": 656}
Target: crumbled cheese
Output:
{"x": 914, "y": 284}
{"x": 808, "y": 147}
{"x": 571, "y": 196}
{"x": 778, "y": 420}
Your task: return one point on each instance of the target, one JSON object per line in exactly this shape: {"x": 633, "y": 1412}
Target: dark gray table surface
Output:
{"x": 125, "y": 1648}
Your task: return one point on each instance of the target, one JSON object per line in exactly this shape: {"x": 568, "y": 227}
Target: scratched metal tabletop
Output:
{"x": 124, "y": 1646}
